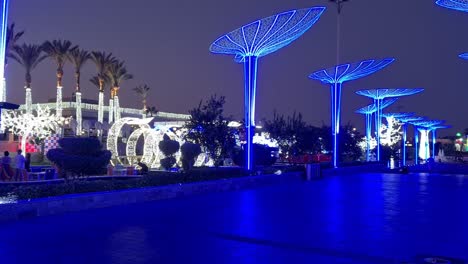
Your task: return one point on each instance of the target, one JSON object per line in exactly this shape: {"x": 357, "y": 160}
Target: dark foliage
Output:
{"x": 190, "y": 152}
{"x": 32, "y": 191}
{"x": 79, "y": 156}
{"x": 168, "y": 147}
{"x": 209, "y": 128}
{"x": 262, "y": 155}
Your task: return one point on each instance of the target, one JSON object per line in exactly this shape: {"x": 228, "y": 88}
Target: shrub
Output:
{"x": 190, "y": 152}
{"x": 168, "y": 147}
{"x": 261, "y": 154}
{"x": 79, "y": 156}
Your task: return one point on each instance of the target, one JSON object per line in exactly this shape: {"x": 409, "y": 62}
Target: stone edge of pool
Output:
{"x": 78, "y": 202}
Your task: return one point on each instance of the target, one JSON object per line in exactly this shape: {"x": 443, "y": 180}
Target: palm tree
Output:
{"x": 58, "y": 51}
{"x": 117, "y": 74}
{"x": 78, "y": 58}
{"x": 29, "y": 56}
{"x": 142, "y": 90}
{"x": 12, "y": 38}
{"x": 152, "y": 111}
{"x": 103, "y": 62}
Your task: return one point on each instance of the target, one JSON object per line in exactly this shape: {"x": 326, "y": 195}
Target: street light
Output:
{"x": 339, "y": 7}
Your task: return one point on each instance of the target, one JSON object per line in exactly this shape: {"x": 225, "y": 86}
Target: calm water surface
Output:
{"x": 368, "y": 218}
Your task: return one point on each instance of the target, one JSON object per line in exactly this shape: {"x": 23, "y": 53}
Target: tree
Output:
{"x": 209, "y": 128}
{"x": 12, "y": 38}
{"x": 168, "y": 147}
{"x": 78, "y": 58}
{"x": 152, "y": 110}
{"x": 38, "y": 125}
{"x": 58, "y": 51}
{"x": 142, "y": 90}
{"x": 190, "y": 152}
{"x": 102, "y": 61}
{"x": 29, "y": 56}
{"x": 117, "y": 73}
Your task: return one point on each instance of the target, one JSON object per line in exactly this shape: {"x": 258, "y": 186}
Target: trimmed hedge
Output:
{"x": 159, "y": 178}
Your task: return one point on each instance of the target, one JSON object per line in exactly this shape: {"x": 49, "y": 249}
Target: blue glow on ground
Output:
{"x": 258, "y": 39}
{"x": 460, "y": 5}
{"x": 335, "y": 77}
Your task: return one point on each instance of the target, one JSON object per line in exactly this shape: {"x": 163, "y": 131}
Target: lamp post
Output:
{"x": 339, "y": 8}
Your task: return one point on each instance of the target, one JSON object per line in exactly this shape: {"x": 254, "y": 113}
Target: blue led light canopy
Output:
{"x": 368, "y": 111}
{"x": 256, "y": 40}
{"x": 460, "y": 5}
{"x": 380, "y": 94}
{"x": 463, "y": 56}
{"x": 433, "y": 131}
{"x": 405, "y": 121}
{"x": 424, "y": 127}
{"x": 335, "y": 77}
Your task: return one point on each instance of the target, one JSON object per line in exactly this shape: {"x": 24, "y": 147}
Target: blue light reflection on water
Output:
{"x": 366, "y": 218}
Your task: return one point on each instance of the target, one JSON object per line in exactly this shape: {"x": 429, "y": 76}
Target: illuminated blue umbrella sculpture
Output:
{"x": 335, "y": 77}
{"x": 256, "y": 40}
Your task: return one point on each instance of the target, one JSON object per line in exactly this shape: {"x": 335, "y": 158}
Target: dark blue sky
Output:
{"x": 165, "y": 44}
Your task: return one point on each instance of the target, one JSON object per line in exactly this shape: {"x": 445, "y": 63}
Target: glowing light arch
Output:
{"x": 259, "y": 39}
{"x": 114, "y": 132}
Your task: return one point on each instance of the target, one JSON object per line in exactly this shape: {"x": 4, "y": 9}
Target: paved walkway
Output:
{"x": 348, "y": 219}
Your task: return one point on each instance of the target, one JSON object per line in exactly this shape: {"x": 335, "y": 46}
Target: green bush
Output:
{"x": 190, "y": 152}
{"x": 168, "y": 147}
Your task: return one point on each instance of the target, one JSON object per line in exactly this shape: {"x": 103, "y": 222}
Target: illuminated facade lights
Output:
{"x": 378, "y": 95}
{"x": 259, "y": 39}
{"x": 335, "y": 77}
{"x": 59, "y": 107}
{"x": 111, "y": 111}
{"x": 460, "y": 5}
{"x": 368, "y": 111}
{"x": 3, "y": 37}
{"x": 28, "y": 100}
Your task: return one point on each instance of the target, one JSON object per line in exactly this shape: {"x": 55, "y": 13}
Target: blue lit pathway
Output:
{"x": 349, "y": 219}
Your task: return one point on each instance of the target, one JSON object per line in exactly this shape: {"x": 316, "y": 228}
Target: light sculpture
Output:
{"x": 424, "y": 127}
{"x": 259, "y": 39}
{"x": 392, "y": 119}
{"x": 460, "y": 5}
{"x": 405, "y": 121}
{"x": 3, "y": 37}
{"x": 368, "y": 111}
{"x": 114, "y": 132}
{"x": 101, "y": 107}
{"x": 40, "y": 124}
{"x": 335, "y": 77}
{"x": 378, "y": 95}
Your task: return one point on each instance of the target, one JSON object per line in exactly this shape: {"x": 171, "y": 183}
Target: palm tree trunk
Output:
{"x": 79, "y": 118}
{"x": 101, "y": 107}
{"x": 116, "y": 108}
{"x": 28, "y": 100}
{"x": 58, "y": 104}
{"x": 111, "y": 110}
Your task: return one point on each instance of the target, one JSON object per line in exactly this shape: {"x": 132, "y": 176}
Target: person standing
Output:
{"x": 6, "y": 172}
{"x": 27, "y": 163}
{"x": 19, "y": 163}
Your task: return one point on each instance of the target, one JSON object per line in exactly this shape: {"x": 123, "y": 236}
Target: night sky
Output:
{"x": 165, "y": 45}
